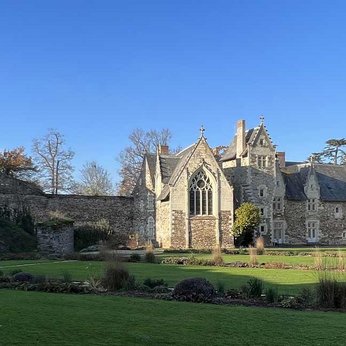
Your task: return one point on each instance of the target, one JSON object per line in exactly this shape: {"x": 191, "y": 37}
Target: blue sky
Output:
{"x": 95, "y": 70}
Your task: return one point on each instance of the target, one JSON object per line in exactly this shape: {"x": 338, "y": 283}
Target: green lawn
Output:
{"x": 288, "y": 281}
{"x": 36, "y": 318}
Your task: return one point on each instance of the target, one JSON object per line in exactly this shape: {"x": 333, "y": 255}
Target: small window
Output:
{"x": 261, "y": 142}
{"x": 141, "y": 205}
{"x": 344, "y": 235}
{"x": 150, "y": 200}
{"x": 263, "y": 229}
{"x": 312, "y": 204}
{"x": 338, "y": 212}
{"x": 277, "y": 204}
{"x": 150, "y": 227}
{"x": 262, "y": 161}
{"x": 263, "y": 211}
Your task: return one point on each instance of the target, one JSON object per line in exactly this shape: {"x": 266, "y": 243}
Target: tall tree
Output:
{"x": 142, "y": 142}
{"x": 16, "y": 163}
{"x": 334, "y": 152}
{"x": 54, "y": 162}
{"x": 95, "y": 181}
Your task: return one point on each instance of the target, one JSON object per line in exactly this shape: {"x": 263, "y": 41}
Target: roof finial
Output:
{"x": 202, "y": 129}
{"x": 262, "y": 119}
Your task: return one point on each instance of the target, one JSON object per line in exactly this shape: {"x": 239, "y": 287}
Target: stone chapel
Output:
{"x": 188, "y": 199}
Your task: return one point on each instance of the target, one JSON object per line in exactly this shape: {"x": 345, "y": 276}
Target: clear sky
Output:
{"x": 95, "y": 70}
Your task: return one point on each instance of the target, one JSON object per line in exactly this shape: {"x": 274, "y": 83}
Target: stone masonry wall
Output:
{"x": 226, "y": 239}
{"x": 163, "y": 224}
{"x": 57, "y": 242}
{"x": 117, "y": 210}
{"x": 202, "y": 232}
{"x": 178, "y": 235}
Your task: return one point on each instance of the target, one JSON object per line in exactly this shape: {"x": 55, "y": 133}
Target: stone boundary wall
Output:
{"x": 117, "y": 210}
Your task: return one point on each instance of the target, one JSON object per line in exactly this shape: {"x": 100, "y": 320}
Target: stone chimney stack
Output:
{"x": 164, "y": 149}
{"x": 240, "y": 137}
{"x": 281, "y": 155}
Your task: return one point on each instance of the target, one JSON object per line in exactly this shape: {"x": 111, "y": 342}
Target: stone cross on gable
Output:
{"x": 262, "y": 119}
{"x": 202, "y": 129}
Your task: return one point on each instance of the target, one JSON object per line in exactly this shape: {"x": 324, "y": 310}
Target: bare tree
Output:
{"x": 53, "y": 162}
{"x": 95, "y": 181}
{"x": 142, "y": 142}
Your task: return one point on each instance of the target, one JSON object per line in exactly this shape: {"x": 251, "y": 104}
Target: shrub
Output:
{"x": 194, "y": 290}
{"x": 135, "y": 257}
{"x": 66, "y": 276}
{"x": 253, "y": 256}
{"x": 260, "y": 245}
{"x": 330, "y": 293}
{"x": 15, "y": 271}
{"x": 23, "y": 277}
{"x": 154, "y": 282}
{"x": 117, "y": 277}
{"x": 220, "y": 287}
{"x": 149, "y": 254}
{"x": 92, "y": 233}
{"x": 217, "y": 256}
{"x": 1, "y": 273}
{"x": 254, "y": 288}
{"x": 271, "y": 295}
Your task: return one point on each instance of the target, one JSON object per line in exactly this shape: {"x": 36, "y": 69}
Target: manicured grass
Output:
{"x": 36, "y": 318}
{"x": 287, "y": 281}
{"x": 291, "y": 260}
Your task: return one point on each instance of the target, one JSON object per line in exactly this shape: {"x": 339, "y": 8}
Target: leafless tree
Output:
{"x": 142, "y": 142}
{"x": 54, "y": 162}
{"x": 95, "y": 181}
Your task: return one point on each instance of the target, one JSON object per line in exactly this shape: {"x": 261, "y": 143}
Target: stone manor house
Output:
{"x": 188, "y": 199}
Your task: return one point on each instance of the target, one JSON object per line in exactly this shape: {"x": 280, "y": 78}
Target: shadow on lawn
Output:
{"x": 287, "y": 281}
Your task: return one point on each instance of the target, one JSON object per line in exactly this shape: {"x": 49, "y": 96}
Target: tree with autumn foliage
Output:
{"x": 16, "y": 163}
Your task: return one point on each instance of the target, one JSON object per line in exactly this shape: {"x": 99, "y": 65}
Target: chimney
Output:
{"x": 164, "y": 149}
{"x": 281, "y": 155}
{"x": 240, "y": 137}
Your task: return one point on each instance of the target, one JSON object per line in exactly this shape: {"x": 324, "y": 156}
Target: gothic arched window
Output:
{"x": 201, "y": 195}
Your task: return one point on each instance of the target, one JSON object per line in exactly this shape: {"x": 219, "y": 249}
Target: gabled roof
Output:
{"x": 151, "y": 159}
{"x": 231, "y": 152}
{"x": 331, "y": 179}
{"x": 168, "y": 163}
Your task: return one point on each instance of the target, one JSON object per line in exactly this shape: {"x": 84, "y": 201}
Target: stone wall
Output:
{"x": 55, "y": 242}
{"x": 163, "y": 217}
{"x": 178, "y": 235}
{"x": 202, "y": 232}
{"x": 226, "y": 239}
{"x": 118, "y": 211}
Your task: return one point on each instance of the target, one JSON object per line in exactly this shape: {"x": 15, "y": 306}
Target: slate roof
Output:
{"x": 151, "y": 158}
{"x": 168, "y": 163}
{"x": 230, "y": 153}
{"x": 331, "y": 179}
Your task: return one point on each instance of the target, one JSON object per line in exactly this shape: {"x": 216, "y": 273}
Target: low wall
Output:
{"x": 55, "y": 242}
